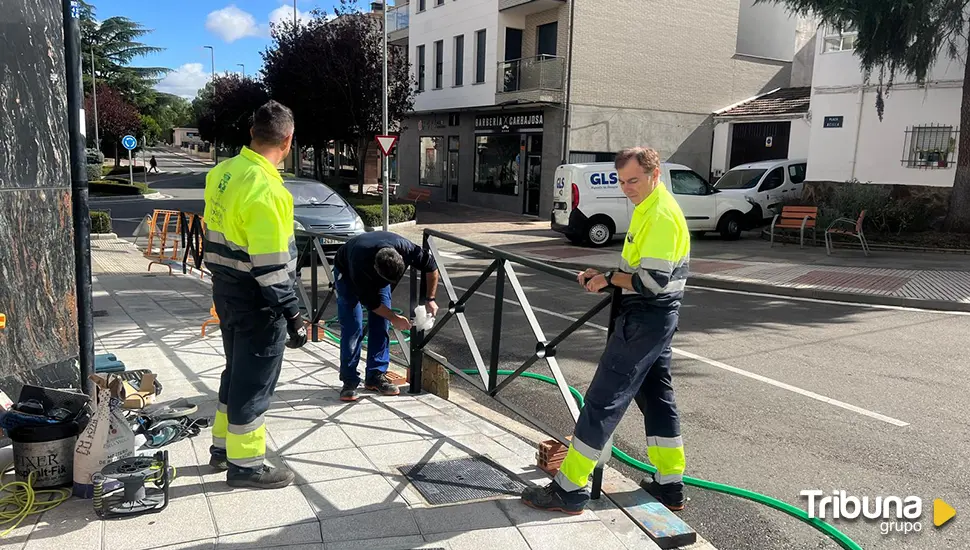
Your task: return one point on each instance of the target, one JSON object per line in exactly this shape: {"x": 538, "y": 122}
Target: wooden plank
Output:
{"x": 656, "y": 520}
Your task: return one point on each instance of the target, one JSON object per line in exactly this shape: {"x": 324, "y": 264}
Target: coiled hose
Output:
{"x": 829, "y": 530}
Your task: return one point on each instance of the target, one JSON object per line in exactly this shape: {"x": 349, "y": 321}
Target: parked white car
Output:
{"x": 589, "y": 206}
{"x": 767, "y": 185}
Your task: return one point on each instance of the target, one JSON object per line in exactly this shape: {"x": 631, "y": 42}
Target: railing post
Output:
{"x": 597, "y": 488}
{"x": 496, "y": 327}
{"x": 314, "y": 297}
{"x": 418, "y": 291}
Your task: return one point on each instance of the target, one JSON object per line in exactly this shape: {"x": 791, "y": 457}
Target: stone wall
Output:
{"x": 37, "y": 290}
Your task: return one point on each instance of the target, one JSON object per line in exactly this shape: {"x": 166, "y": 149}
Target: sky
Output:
{"x": 237, "y": 29}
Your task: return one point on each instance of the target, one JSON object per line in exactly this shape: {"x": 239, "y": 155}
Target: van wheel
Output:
{"x": 600, "y": 231}
{"x": 730, "y": 226}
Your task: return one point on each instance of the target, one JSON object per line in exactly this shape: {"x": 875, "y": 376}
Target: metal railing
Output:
{"x": 397, "y": 18}
{"x": 543, "y": 72}
{"x": 414, "y": 348}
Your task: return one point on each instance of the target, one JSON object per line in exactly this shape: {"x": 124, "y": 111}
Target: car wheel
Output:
{"x": 731, "y": 226}
{"x": 600, "y": 232}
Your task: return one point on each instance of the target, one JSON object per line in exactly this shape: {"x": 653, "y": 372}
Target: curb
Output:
{"x": 703, "y": 281}
{"x": 104, "y": 236}
{"x": 150, "y": 196}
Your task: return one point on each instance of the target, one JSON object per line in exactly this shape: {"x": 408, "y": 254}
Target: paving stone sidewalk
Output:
{"x": 348, "y": 493}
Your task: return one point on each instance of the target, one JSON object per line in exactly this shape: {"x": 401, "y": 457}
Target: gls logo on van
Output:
{"x": 604, "y": 179}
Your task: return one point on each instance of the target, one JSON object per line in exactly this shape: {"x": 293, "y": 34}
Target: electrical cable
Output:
{"x": 18, "y": 504}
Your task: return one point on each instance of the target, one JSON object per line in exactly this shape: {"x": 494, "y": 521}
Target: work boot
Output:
{"x": 554, "y": 498}
{"x": 264, "y": 477}
{"x": 382, "y": 385}
{"x": 349, "y": 392}
{"x": 218, "y": 458}
{"x": 670, "y": 495}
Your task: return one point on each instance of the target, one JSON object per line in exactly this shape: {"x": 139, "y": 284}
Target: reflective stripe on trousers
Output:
{"x": 635, "y": 366}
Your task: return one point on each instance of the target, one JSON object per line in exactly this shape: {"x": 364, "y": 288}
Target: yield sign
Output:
{"x": 386, "y": 143}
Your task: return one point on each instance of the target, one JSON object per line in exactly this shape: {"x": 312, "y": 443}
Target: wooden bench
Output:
{"x": 854, "y": 232}
{"x": 416, "y": 195}
{"x": 796, "y": 218}
{"x": 391, "y": 192}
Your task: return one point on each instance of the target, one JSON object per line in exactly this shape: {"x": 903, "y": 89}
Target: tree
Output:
{"x": 224, "y": 109}
{"x": 330, "y": 72}
{"x": 116, "y": 118}
{"x": 114, "y": 43}
{"x": 898, "y": 37}
{"x": 171, "y": 111}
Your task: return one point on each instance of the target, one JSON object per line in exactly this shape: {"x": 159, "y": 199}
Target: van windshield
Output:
{"x": 740, "y": 179}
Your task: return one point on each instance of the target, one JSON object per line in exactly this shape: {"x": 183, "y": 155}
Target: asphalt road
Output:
{"x": 181, "y": 184}
{"x": 755, "y": 378}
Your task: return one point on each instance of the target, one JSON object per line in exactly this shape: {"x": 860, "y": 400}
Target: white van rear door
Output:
{"x": 562, "y": 196}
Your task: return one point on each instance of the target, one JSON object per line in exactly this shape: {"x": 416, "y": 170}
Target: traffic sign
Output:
{"x": 386, "y": 143}
{"x": 129, "y": 142}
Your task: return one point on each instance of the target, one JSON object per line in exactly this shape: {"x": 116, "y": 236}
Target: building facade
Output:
{"x": 497, "y": 78}
{"x": 914, "y": 144}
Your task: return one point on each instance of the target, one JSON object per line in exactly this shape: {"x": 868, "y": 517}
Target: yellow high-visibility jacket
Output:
{"x": 249, "y": 242}
{"x": 657, "y": 249}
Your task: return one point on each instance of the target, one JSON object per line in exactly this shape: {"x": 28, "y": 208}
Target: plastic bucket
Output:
{"x": 47, "y": 450}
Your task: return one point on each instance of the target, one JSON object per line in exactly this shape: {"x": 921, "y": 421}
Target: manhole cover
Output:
{"x": 461, "y": 480}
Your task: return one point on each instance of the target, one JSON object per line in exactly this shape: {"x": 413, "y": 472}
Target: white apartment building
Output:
{"x": 914, "y": 144}
{"x": 509, "y": 89}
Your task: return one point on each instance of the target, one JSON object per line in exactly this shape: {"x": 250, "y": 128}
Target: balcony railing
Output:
{"x": 543, "y": 72}
{"x": 397, "y": 18}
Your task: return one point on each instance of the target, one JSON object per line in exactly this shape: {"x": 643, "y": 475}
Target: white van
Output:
{"x": 589, "y": 206}
{"x": 766, "y": 185}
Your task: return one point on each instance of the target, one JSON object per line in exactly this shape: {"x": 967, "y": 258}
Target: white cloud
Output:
{"x": 285, "y": 13}
{"x": 184, "y": 81}
{"x": 231, "y": 23}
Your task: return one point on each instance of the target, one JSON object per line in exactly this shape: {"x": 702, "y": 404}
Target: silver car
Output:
{"x": 318, "y": 208}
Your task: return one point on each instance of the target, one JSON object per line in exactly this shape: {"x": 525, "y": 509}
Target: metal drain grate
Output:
{"x": 462, "y": 480}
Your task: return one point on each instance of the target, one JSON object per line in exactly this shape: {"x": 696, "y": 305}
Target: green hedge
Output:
{"x": 100, "y": 222}
{"x": 372, "y": 214}
{"x": 110, "y": 188}
{"x": 120, "y": 170}
{"x": 884, "y": 215}
{"x": 94, "y": 172}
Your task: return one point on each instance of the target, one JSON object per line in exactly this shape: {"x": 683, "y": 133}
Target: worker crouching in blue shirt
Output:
{"x": 635, "y": 366}
{"x": 366, "y": 271}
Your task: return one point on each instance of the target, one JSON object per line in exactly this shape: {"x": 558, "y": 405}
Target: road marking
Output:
{"x": 729, "y": 368}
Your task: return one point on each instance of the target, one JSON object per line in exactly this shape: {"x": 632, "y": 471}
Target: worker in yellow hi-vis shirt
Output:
{"x": 636, "y": 363}
{"x": 251, "y": 252}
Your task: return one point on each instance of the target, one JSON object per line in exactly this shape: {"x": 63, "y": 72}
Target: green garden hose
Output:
{"x": 334, "y": 321}
{"x": 830, "y": 531}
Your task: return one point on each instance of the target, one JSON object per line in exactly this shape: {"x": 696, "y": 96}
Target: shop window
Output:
{"x": 432, "y": 161}
{"x": 497, "y": 164}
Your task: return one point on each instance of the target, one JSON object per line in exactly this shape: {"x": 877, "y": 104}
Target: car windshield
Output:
{"x": 740, "y": 179}
{"x": 313, "y": 194}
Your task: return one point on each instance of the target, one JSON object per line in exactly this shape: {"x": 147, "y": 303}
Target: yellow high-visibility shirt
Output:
{"x": 656, "y": 250}
{"x": 249, "y": 243}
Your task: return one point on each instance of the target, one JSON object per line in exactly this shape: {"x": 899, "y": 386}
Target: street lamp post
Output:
{"x": 215, "y": 142}
{"x": 94, "y": 95}
{"x": 243, "y": 65}
{"x": 213, "y": 51}
{"x": 386, "y": 167}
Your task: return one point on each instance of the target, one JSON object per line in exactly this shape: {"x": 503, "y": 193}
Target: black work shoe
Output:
{"x": 670, "y": 495}
{"x": 553, "y": 498}
{"x": 265, "y": 477}
{"x": 219, "y": 462}
{"x": 349, "y": 392}
{"x": 382, "y": 385}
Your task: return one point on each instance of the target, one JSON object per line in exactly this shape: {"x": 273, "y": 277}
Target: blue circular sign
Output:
{"x": 129, "y": 142}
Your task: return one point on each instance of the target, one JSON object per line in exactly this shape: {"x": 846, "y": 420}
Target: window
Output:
{"x": 459, "y": 59}
{"x": 439, "y": 63}
{"x": 421, "y": 5}
{"x": 835, "y": 41}
{"x": 546, "y": 39}
{"x": 439, "y": 2}
{"x": 685, "y": 182}
{"x": 740, "y": 179}
{"x": 930, "y": 146}
{"x": 421, "y": 68}
{"x": 432, "y": 161}
{"x": 796, "y": 172}
{"x": 479, "y": 57}
{"x": 773, "y": 180}
{"x": 497, "y": 164}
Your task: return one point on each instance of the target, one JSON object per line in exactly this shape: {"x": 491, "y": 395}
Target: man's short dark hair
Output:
{"x": 389, "y": 265}
{"x": 272, "y": 123}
